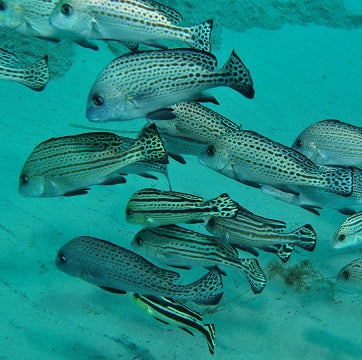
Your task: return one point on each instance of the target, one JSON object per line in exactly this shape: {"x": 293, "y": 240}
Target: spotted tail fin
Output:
{"x": 200, "y": 36}
{"x": 307, "y": 237}
{"x": 36, "y": 76}
{"x": 254, "y": 274}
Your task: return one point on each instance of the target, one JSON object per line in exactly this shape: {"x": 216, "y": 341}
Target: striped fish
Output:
{"x": 136, "y": 84}
{"x": 171, "y": 311}
{"x": 179, "y": 247}
{"x": 141, "y": 21}
{"x": 158, "y": 207}
{"x": 34, "y": 76}
{"x": 351, "y": 275}
{"x": 190, "y": 123}
{"x": 248, "y": 231}
{"x": 116, "y": 269}
{"x": 349, "y": 233}
{"x": 68, "y": 165}
{"x": 331, "y": 142}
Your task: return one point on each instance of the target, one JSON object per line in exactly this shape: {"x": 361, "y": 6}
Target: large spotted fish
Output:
{"x": 331, "y": 142}
{"x": 119, "y": 270}
{"x": 154, "y": 207}
{"x": 34, "y": 76}
{"x": 140, "y": 21}
{"x": 179, "y": 247}
{"x": 349, "y": 232}
{"x": 136, "y": 84}
{"x": 69, "y": 165}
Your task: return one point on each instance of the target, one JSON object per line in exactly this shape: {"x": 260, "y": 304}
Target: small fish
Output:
{"x": 118, "y": 270}
{"x": 255, "y": 160}
{"x": 34, "y": 76}
{"x": 180, "y": 247}
{"x": 136, "y": 84}
{"x": 169, "y": 311}
{"x": 192, "y": 123}
{"x": 331, "y": 142}
{"x": 157, "y": 207}
{"x": 349, "y": 233}
{"x": 351, "y": 274}
{"x": 69, "y": 164}
{"x": 248, "y": 231}
{"x": 140, "y": 21}
{"x": 30, "y": 18}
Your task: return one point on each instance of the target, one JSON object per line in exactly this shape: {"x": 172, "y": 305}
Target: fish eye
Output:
{"x": 346, "y": 274}
{"x": 298, "y": 143}
{"x": 129, "y": 212}
{"x": 66, "y": 9}
{"x": 2, "y": 6}
{"x": 138, "y": 240}
{"x": 24, "y": 179}
{"x": 62, "y": 258}
{"x": 211, "y": 222}
{"x": 210, "y": 150}
{"x": 97, "y": 100}
{"x": 341, "y": 237}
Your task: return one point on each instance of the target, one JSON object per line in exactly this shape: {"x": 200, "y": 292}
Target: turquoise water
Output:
{"x": 302, "y": 74}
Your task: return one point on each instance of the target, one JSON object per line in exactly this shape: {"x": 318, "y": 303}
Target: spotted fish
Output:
{"x": 68, "y": 165}
{"x": 190, "y": 125}
{"x": 351, "y": 275}
{"x": 170, "y": 311}
{"x": 154, "y": 207}
{"x": 331, "y": 142}
{"x": 140, "y": 21}
{"x": 30, "y": 18}
{"x": 180, "y": 247}
{"x": 256, "y": 160}
{"x": 248, "y": 231}
{"x": 349, "y": 233}
{"x": 34, "y": 76}
{"x": 136, "y": 84}
{"x": 119, "y": 270}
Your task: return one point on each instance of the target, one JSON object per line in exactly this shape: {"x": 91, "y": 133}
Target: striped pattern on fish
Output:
{"x": 157, "y": 207}
{"x": 349, "y": 232}
{"x": 117, "y": 269}
{"x": 177, "y": 246}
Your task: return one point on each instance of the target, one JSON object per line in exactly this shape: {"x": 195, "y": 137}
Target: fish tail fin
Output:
{"x": 307, "y": 237}
{"x": 205, "y": 290}
{"x": 283, "y": 251}
{"x": 151, "y": 145}
{"x": 36, "y": 76}
{"x": 200, "y": 36}
{"x": 340, "y": 181}
{"x": 238, "y": 76}
{"x": 210, "y": 334}
{"x": 253, "y": 273}
{"x": 224, "y": 206}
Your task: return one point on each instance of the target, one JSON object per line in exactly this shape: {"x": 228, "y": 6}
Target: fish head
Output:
{"x": 351, "y": 275}
{"x": 213, "y": 226}
{"x": 307, "y": 147}
{"x": 73, "y": 16}
{"x": 11, "y": 13}
{"x": 31, "y": 184}
{"x": 347, "y": 235}
{"x": 135, "y": 217}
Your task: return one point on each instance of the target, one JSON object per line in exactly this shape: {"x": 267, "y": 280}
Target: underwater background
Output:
{"x": 305, "y": 58}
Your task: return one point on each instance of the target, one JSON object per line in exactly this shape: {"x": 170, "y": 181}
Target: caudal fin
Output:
{"x": 200, "y": 36}
{"x": 36, "y": 76}
{"x": 307, "y": 237}
{"x": 224, "y": 206}
{"x": 254, "y": 274}
{"x": 238, "y": 76}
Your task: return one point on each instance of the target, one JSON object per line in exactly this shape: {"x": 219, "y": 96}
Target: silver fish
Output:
{"x": 30, "y": 18}
{"x": 119, "y": 270}
{"x": 140, "y": 21}
{"x": 331, "y": 142}
{"x": 248, "y": 231}
{"x": 180, "y": 247}
{"x": 68, "y": 165}
{"x": 349, "y": 233}
{"x": 351, "y": 275}
{"x": 171, "y": 311}
{"x": 34, "y": 76}
{"x": 190, "y": 123}
{"x": 136, "y": 84}
{"x": 157, "y": 207}
{"x": 256, "y": 160}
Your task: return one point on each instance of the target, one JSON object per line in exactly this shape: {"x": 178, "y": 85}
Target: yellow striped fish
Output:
{"x": 34, "y": 76}
{"x": 248, "y": 231}
{"x": 351, "y": 275}
{"x": 158, "y": 207}
{"x": 171, "y": 311}
{"x": 144, "y": 21}
{"x": 179, "y": 247}
{"x": 349, "y": 233}
{"x": 69, "y": 165}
